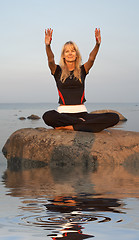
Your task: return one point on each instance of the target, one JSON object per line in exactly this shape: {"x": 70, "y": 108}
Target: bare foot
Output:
{"x": 65, "y": 128}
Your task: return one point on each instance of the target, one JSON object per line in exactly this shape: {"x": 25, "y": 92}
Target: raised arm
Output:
{"x": 50, "y": 55}
{"x": 94, "y": 52}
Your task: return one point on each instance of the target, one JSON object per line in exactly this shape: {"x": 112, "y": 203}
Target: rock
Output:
{"x": 63, "y": 147}
{"x": 122, "y": 118}
{"x": 22, "y": 118}
{"x": 33, "y": 117}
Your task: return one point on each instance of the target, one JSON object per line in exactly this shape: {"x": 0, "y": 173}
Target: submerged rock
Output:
{"x": 22, "y": 118}
{"x": 122, "y": 118}
{"x": 33, "y": 117}
{"x": 70, "y": 148}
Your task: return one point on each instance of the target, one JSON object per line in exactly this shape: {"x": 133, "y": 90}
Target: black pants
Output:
{"x": 92, "y": 123}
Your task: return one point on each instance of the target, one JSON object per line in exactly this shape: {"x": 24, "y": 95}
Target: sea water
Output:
{"x": 60, "y": 203}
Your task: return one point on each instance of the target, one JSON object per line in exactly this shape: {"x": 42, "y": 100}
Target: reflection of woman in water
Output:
{"x": 72, "y": 232}
{"x": 70, "y": 80}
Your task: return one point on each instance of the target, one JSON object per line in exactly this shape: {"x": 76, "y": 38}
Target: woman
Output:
{"x": 70, "y": 80}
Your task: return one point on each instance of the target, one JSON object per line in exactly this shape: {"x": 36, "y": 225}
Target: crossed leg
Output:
{"x": 80, "y": 121}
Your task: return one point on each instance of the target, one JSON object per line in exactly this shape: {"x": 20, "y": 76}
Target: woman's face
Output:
{"x": 70, "y": 53}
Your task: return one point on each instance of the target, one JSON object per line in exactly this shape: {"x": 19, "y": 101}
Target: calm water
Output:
{"x": 101, "y": 203}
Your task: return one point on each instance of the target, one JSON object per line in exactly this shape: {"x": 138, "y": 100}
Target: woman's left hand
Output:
{"x": 98, "y": 36}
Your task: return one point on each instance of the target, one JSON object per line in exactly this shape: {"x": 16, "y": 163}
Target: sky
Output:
{"x": 24, "y": 73}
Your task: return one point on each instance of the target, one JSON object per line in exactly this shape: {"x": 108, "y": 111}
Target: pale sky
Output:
{"x": 24, "y": 73}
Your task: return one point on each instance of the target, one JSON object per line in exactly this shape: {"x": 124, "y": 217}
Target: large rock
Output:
{"x": 63, "y": 147}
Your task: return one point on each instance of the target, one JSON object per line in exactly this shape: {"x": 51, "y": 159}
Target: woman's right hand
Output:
{"x": 48, "y": 36}
{"x": 98, "y": 36}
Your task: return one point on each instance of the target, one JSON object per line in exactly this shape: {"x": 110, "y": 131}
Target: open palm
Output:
{"x": 48, "y": 36}
{"x": 98, "y": 35}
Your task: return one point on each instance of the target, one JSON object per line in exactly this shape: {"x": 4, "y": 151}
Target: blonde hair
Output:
{"x": 65, "y": 71}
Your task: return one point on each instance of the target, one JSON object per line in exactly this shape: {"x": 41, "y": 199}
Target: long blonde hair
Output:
{"x": 65, "y": 71}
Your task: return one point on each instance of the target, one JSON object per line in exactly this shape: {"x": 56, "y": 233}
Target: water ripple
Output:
{"x": 47, "y": 221}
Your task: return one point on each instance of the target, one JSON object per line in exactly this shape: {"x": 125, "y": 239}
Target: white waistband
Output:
{"x": 72, "y": 108}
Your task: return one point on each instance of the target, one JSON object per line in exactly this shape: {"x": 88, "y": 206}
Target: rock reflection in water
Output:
{"x": 63, "y": 200}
